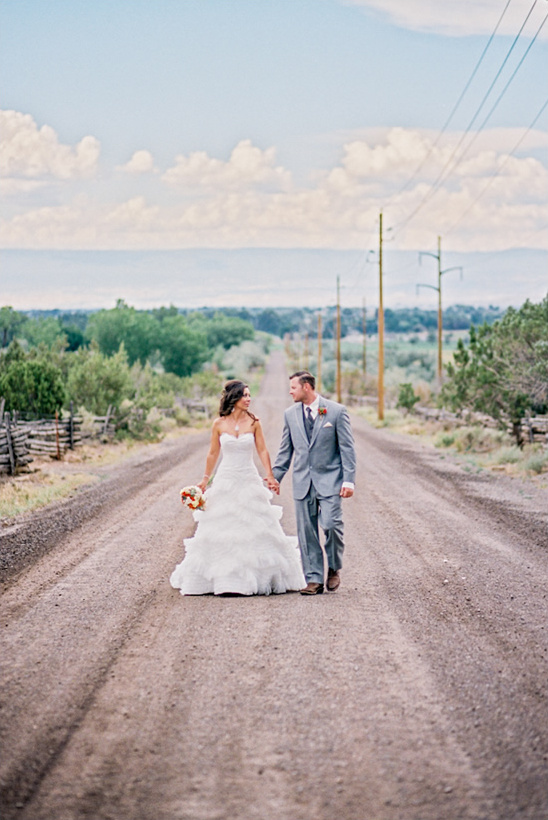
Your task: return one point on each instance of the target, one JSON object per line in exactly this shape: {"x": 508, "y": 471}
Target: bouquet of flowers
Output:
{"x": 193, "y": 498}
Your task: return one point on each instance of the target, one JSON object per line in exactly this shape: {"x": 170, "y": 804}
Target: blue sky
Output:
{"x": 267, "y": 124}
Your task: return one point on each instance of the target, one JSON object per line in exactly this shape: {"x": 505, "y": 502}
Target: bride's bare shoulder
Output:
{"x": 218, "y": 424}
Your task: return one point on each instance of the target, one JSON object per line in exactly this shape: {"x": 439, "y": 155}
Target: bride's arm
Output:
{"x": 212, "y": 456}
{"x": 264, "y": 455}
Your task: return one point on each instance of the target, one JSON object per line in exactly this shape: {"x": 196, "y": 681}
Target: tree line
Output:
{"x": 101, "y": 358}
{"x": 81, "y": 326}
{"x": 116, "y": 355}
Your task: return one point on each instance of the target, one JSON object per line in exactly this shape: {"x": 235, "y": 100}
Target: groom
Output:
{"x": 317, "y": 432}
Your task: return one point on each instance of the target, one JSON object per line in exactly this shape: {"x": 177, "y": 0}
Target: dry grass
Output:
{"x": 22, "y": 494}
{"x": 407, "y": 424}
{"x": 484, "y": 448}
{"x": 47, "y": 480}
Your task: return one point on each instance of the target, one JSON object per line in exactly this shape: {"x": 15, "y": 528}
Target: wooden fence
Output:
{"x": 14, "y": 451}
{"x": 21, "y": 439}
{"x": 534, "y": 429}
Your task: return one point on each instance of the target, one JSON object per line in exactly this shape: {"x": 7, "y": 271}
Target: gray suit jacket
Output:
{"x": 327, "y": 460}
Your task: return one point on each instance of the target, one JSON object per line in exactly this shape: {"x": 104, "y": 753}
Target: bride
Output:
{"x": 239, "y": 546}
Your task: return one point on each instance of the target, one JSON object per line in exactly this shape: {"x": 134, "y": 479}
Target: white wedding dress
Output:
{"x": 239, "y": 545}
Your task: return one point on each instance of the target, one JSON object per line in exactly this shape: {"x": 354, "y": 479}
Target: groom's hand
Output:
{"x": 273, "y": 485}
{"x": 346, "y": 492}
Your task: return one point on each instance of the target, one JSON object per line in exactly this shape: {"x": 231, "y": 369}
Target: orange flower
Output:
{"x": 192, "y": 497}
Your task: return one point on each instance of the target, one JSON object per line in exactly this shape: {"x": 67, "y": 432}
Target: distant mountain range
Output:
{"x": 263, "y": 277}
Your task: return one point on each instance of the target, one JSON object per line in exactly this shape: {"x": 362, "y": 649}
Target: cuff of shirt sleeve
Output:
{"x": 347, "y": 485}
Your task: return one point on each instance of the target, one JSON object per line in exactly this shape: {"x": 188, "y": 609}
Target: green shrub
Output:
{"x": 536, "y": 463}
{"x": 478, "y": 439}
{"x": 182, "y": 416}
{"x": 444, "y": 439}
{"x": 406, "y": 397}
{"x": 241, "y": 359}
{"x": 97, "y": 381}
{"x": 507, "y": 455}
{"x": 31, "y": 386}
{"x": 202, "y": 385}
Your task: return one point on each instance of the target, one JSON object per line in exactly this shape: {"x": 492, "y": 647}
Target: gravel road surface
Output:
{"x": 418, "y": 691}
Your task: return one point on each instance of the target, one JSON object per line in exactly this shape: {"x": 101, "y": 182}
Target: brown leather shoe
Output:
{"x": 312, "y": 589}
{"x": 333, "y": 580}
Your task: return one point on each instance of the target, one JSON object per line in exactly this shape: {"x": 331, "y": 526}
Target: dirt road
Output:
{"x": 416, "y": 692}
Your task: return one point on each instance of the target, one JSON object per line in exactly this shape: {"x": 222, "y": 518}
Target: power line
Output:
{"x": 444, "y": 173}
{"x": 502, "y": 93}
{"x": 499, "y": 169}
{"x": 454, "y": 109}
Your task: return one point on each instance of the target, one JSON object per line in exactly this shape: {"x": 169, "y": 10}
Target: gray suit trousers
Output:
{"x": 313, "y": 512}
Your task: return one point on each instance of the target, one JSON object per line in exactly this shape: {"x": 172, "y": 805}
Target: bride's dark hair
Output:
{"x": 231, "y": 395}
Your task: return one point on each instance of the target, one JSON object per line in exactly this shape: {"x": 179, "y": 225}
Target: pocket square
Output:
{"x": 327, "y": 424}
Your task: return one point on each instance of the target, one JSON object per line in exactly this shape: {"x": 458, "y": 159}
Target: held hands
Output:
{"x": 272, "y": 484}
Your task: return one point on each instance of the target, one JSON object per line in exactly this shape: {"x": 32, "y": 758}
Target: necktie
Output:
{"x": 309, "y": 423}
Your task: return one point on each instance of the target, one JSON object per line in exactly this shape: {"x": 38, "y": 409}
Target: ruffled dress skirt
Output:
{"x": 239, "y": 545}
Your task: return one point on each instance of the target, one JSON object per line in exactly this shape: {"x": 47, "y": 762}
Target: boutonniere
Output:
{"x": 322, "y": 411}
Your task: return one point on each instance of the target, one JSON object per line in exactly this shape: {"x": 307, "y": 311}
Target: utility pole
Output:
{"x": 339, "y": 390}
{"x": 306, "y": 351}
{"x": 319, "y": 364}
{"x": 440, "y": 312}
{"x": 380, "y": 388}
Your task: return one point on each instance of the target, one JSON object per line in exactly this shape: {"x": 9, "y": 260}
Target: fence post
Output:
{"x": 107, "y": 419}
{"x": 57, "y": 435}
{"x": 11, "y": 451}
{"x": 71, "y": 426}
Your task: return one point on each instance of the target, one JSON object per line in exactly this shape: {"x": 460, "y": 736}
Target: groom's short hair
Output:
{"x": 305, "y": 378}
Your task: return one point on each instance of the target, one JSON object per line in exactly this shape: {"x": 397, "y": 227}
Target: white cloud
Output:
{"x": 12, "y": 187}
{"x": 462, "y": 18}
{"x": 29, "y": 152}
{"x": 399, "y": 154}
{"x": 248, "y": 165}
{"x": 229, "y": 204}
{"x": 142, "y": 162}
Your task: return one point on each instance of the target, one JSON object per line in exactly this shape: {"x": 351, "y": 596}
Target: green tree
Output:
{"x": 227, "y": 331}
{"x": 270, "y": 321}
{"x": 31, "y": 386}
{"x": 183, "y": 346}
{"x": 10, "y": 321}
{"x": 96, "y": 381}
{"x": 162, "y": 313}
{"x": 407, "y": 398}
{"x": 14, "y": 353}
{"x": 503, "y": 370}
{"x": 74, "y": 336}
{"x": 42, "y": 331}
{"x": 137, "y": 330}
